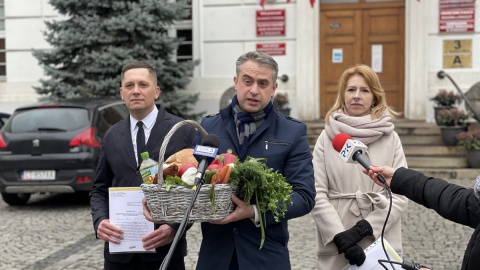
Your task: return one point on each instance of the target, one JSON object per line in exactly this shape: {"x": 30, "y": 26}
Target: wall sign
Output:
{"x": 456, "y": 16}
{"x": 272, "y": 48}
{"x": 271, "y": 22}
{"x": 457, "y": 53}
{"x": 377, "y": 57}
{"x": 337, "y": 55}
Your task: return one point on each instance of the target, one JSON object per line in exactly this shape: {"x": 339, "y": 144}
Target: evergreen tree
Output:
{"x": 95, "y": 39}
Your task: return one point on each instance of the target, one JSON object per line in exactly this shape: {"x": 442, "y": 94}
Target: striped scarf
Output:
{"x": 247, "y": 124}
{"x": 476, "y": 188}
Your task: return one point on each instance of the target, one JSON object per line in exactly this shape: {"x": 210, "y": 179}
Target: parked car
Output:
{"x": 53, "y": 146}
{"x": 3, "y": 119}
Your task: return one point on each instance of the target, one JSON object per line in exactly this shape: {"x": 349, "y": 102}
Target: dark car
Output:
{"x": 3, "y": 119}
{"x": 53, "y": 146}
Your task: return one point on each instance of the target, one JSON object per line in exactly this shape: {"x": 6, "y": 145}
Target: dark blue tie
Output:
{"x": 140, "y": 141}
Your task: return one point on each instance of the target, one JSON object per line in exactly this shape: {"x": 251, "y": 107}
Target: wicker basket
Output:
{"x": 170, "y": 206}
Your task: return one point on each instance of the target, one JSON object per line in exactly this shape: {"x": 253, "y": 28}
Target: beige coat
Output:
{"x": 345, "y": 195}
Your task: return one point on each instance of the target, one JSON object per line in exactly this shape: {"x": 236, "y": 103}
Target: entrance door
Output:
{"x": 362, "y": 33}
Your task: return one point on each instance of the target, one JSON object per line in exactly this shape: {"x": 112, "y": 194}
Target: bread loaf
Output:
{"x": 175, "y": 161}
{"x": 182, "y": 156}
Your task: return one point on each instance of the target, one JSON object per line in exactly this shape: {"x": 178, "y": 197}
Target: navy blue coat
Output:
{"x": 117, "y": 167}
{"x": 283, "y": 141}
{"x": 453, "y": 202}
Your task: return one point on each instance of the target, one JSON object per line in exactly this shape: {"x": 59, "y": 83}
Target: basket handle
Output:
{"x": 163, "y": 148}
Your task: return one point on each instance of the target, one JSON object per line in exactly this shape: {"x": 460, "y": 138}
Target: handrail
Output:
{"x": 442, "y": 74}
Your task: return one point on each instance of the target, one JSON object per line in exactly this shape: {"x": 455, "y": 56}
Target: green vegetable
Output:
{"x": 209, "y": 174}
{"x": 174, "y": 181}
{"x": 269, "y": 188}
{"x": 211, "y": 196}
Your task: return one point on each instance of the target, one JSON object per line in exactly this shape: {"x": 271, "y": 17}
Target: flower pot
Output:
{"x": 449, "y": 133}
{"x": 473, "y": 158}
{"x": 438, "y": 109}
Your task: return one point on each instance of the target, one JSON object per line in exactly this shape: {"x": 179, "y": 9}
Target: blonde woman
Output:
{"x": 349, "y": 208}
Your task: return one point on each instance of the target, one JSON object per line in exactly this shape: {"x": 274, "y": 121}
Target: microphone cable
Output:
{"x": 404, "y": 264}
{"x": 389, "y": 194}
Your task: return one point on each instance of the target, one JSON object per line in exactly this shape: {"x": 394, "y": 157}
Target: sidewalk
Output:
{"x": 427, "y": 239}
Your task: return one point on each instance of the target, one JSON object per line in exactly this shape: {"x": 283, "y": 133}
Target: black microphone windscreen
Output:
{"x": 211, "y": 140}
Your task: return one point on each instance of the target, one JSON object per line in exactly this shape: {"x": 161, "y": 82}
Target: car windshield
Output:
{"x": 49, "y": 120}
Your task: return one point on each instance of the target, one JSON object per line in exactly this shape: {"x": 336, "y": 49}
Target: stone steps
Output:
{"x": 423, "y": 148}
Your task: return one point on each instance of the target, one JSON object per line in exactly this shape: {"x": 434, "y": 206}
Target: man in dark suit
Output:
{"x": 119, "y": 162}
{"x": 250, "y": 126}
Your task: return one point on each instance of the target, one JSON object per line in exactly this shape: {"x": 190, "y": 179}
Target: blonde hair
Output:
{"x": 379, "y": 100}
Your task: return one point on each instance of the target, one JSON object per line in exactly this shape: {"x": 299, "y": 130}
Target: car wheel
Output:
{"x": 16, "y": 198}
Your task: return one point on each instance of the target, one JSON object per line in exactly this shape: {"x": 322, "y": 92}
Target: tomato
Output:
{"x": 184, "y": 167}
{"x": 214, "y": 166}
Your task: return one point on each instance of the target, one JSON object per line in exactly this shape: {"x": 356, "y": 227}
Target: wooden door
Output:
{"x": 349, "y": 34}
{"x": 341, "y": 34}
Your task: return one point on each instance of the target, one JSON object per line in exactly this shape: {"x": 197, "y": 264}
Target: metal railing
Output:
{"x": 442, "y": 74}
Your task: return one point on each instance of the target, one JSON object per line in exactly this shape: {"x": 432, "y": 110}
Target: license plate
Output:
{"x": 38, "y": 175}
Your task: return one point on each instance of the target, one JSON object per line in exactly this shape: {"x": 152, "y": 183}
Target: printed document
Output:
{"x": 126, "y": 212}
{"x": 374, "y": 253}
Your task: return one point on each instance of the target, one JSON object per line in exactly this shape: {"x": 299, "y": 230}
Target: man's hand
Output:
{"x": 109, "y": 232}
{"x": 159, "y": 237}
{"x": 242, "y": 211}
{"x": 146, "y": 211}
{"x": 385, "y": 171}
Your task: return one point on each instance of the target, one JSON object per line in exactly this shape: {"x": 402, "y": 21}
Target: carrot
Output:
{"x": 222, "y": 175}
{"x": 214, "y": 179}
{"x": 226, "y": 175}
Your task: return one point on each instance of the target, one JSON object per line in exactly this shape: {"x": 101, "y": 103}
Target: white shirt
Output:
{"x": 148, "y": 123}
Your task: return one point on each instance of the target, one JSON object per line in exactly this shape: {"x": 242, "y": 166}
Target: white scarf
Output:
{"x": 361, "y": 128}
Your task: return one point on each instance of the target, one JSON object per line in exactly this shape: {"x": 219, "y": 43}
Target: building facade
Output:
{"x": 406, "y": 41}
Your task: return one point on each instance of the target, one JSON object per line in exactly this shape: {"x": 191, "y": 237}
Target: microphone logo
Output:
{"x": 205, "y": 151}
{"x": 349, "y": 148}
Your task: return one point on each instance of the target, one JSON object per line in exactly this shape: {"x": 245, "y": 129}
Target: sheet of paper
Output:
{"x": 374, "y": 253}
{"x": 126, "y": 212}
{"x": 377, "y": 57}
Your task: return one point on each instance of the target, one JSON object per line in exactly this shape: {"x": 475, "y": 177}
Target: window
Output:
{"x": 49, "y": 120}
{"x": 2, "y": 15}
{"x": 3, "y": 119}
{"x": 3, "y": 69}
{"x": 183, "y": 30}
{"x": 185, "y": 50}
{"x": 110, "y": 116}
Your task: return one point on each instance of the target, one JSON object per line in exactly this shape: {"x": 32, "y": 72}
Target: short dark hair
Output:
{"x": 261, "y": 59}
{"x": 140, "y": 64}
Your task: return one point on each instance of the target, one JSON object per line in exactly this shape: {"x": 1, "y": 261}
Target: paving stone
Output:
{"x": 56, "y": 233}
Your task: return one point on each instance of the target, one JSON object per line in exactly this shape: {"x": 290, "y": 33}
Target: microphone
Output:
{"x": 205, "y": 152}
{"x": 351, "y": 151}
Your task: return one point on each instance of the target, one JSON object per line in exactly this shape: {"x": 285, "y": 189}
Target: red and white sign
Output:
{"x": 272, "y": 48}
{"x": 456, "y": 16}
{"x": 271, "y": 22}
{"x": 456, "y": 3}
{"x": 457, "y": 26}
